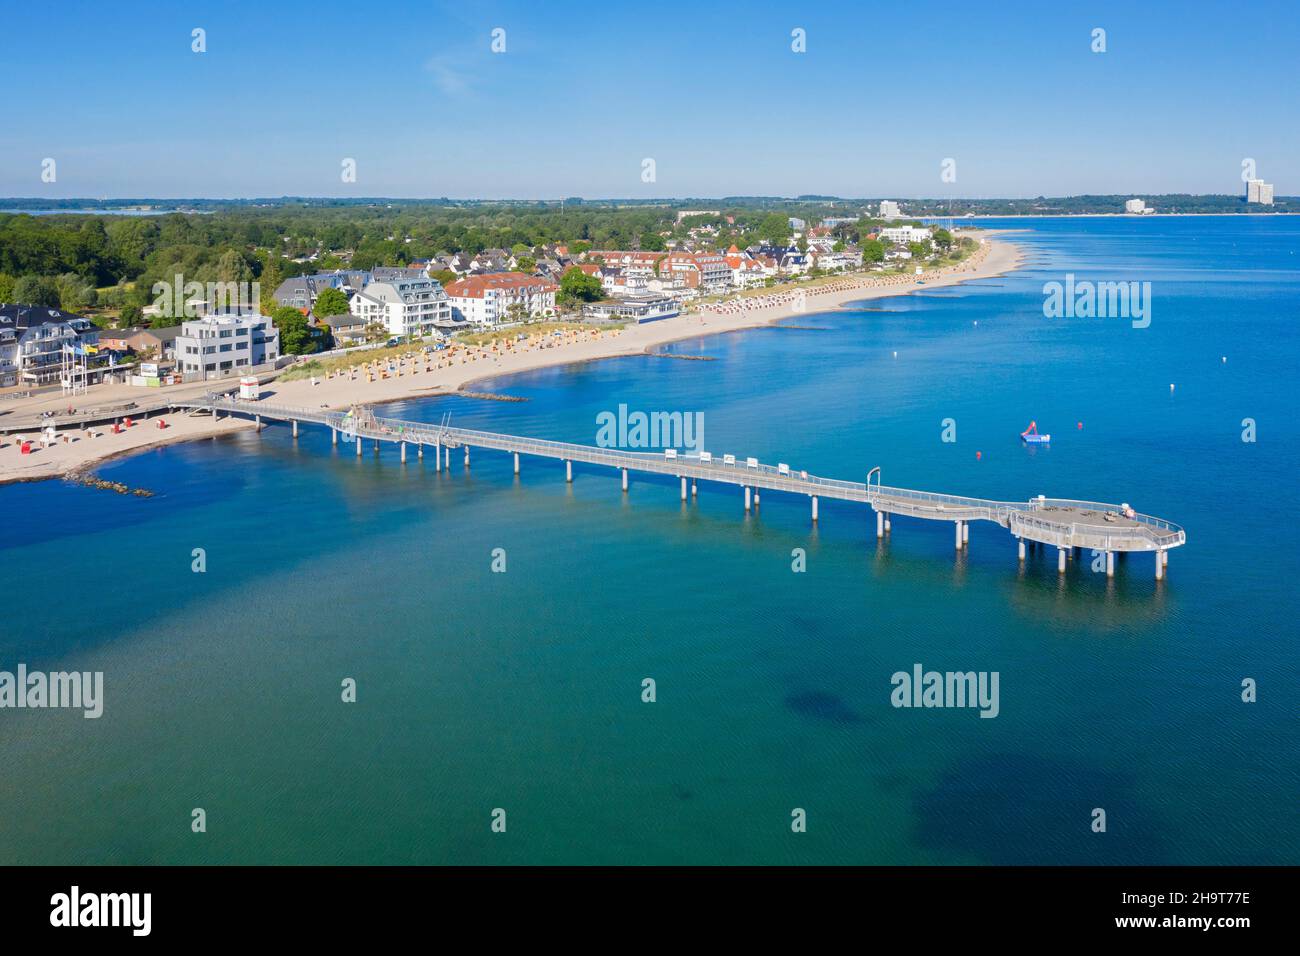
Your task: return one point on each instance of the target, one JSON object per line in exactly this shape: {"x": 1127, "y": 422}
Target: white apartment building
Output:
{"x": 1258, "y": 191}
{"x": 497, "y": 297}
{"x": 408, "y": 306}
{"x": 218, "y": 345}
{"x": 33, "y": 340}
{"x": 889, "y": 209}
{"x": 905, "y": 234}
{"x": 1137, "y": 206}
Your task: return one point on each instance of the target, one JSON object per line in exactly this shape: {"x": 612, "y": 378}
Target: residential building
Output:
{"x": 409, "y": 307}
{"x": 1137, "y": 207}
{"x": 706, "y": 271}
{"x": 905, "y": 234}
{"x": 300, "y": 292}
{"x": 1258, "y": 191}
{"x": 36, "y": 342}
{"x": 346, "y": 329}
{"x": 161, "y": 342}
{"x": 226, "y": 344}
{"x": 492, "y": 298}
{"x": 889, "y": 209}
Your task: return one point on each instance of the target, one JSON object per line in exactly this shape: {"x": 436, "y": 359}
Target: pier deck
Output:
{"x": 1055, "y": 522}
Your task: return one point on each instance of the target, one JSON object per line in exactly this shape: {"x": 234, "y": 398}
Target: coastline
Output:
{"x": 995, "y": 258}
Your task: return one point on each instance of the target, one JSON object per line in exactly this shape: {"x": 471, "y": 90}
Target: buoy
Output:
{"x": 1224, "y": 359}
{"x": 1171, "y": 386}
{"x": 979, "y": 455}
{"x": 1079, "y": 425}
{"x": 895, "y": 355}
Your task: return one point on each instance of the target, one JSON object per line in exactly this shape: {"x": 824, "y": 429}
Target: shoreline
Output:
{"x": 740, "y": 313}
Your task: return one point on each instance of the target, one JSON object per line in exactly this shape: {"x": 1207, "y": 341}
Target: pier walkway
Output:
{"x": 1064, "y": 524}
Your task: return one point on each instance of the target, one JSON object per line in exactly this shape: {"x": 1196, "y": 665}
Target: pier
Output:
{"x": 1067, "y": 525}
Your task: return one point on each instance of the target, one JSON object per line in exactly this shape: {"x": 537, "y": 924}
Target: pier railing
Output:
{"x": 1032, "y": 519}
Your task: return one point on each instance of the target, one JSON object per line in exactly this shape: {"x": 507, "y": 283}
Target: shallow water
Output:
{"x": 522, "y": 690}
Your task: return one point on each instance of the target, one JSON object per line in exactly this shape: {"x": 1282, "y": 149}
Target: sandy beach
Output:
{"x": 76, "y": 450}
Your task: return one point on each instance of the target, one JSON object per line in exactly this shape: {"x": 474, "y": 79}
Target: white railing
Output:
{"x": 1028, "y": 519}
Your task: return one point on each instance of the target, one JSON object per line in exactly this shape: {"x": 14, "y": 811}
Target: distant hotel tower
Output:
{"x": 1259, "y": 191}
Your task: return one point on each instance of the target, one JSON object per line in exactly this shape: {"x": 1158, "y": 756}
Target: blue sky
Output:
{"x": 585, "y": 92}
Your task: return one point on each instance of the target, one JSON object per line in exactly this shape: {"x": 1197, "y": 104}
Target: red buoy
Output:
{"x": 979, "y": 455}
{"x": 1080, "y": 426}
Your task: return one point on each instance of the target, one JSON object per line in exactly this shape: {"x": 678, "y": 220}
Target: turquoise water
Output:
{"x": 522, "y": 690}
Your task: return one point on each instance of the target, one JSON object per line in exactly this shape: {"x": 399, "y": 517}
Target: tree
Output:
{"x": 36, "y": 290}
{"x": 775, "y": 229}
{"x": 6, "y": 287}
{"x": 652, "y": 242}
{"x": 129, "y": 317}
{"x": 576, "y": 286}
{"x": 444, "y": 276}
{"x": 75, "y": 293}
{"x": 525, "y": 263}
{"x": 873, "y": 250}
{"x": 295, "y": 334}
{"x": 943, "y": 239}
{"x": 331, "y": 302}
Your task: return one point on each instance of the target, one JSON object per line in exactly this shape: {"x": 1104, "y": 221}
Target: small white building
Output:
{"x": 889, "y": 209}
{"x": 905, "y": 234}
{"x": 1137, "y": 207}
{"x": 226, "y": 344}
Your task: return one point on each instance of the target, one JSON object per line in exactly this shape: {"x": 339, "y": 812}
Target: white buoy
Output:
{"x": 1171, "y": 386}
{"x": 1223, "y": 359}
{"x": 895, "y": 355}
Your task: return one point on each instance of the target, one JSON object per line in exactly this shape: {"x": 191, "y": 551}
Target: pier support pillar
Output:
{"x": 755, "y": 497}
{"x": 683, "y": 488}
{"x": 258, "y": 419}
{"x": 403, "y": 444}
{"x": 747, "y": 498}
{"x": 1160, "y": 565}
{"x": 814, "y": 509}
{"x": 965, "y": 533}
{"x": 437, "y": 455}
{"x": 1110, "y": 564}
{"x": 880, "y": 524}
{"x": 888, "y": 525}
{"x": 419, "y": 451}
{"x": 957, "y": 526}
{"x": 568, "y": 471}
{"x": 516, "y": 463}
{"x": 295, "y": 428}
{"x": 1021, "y": 548}
{"x": 625, "y": 479}
{"x": 467, "y": 457}
{"x": 1060, "y": 560}
{"x": 695, "y": 488}
{"x": 358, "y": 446}
{"x": 376, "y": 446}
{"x": 334, "y": 436}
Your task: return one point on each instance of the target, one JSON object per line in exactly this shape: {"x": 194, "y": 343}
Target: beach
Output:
{"x": 422, "y": 377}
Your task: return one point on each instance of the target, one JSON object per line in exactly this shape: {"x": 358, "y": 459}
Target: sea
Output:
{"x": 343, "y": 660}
